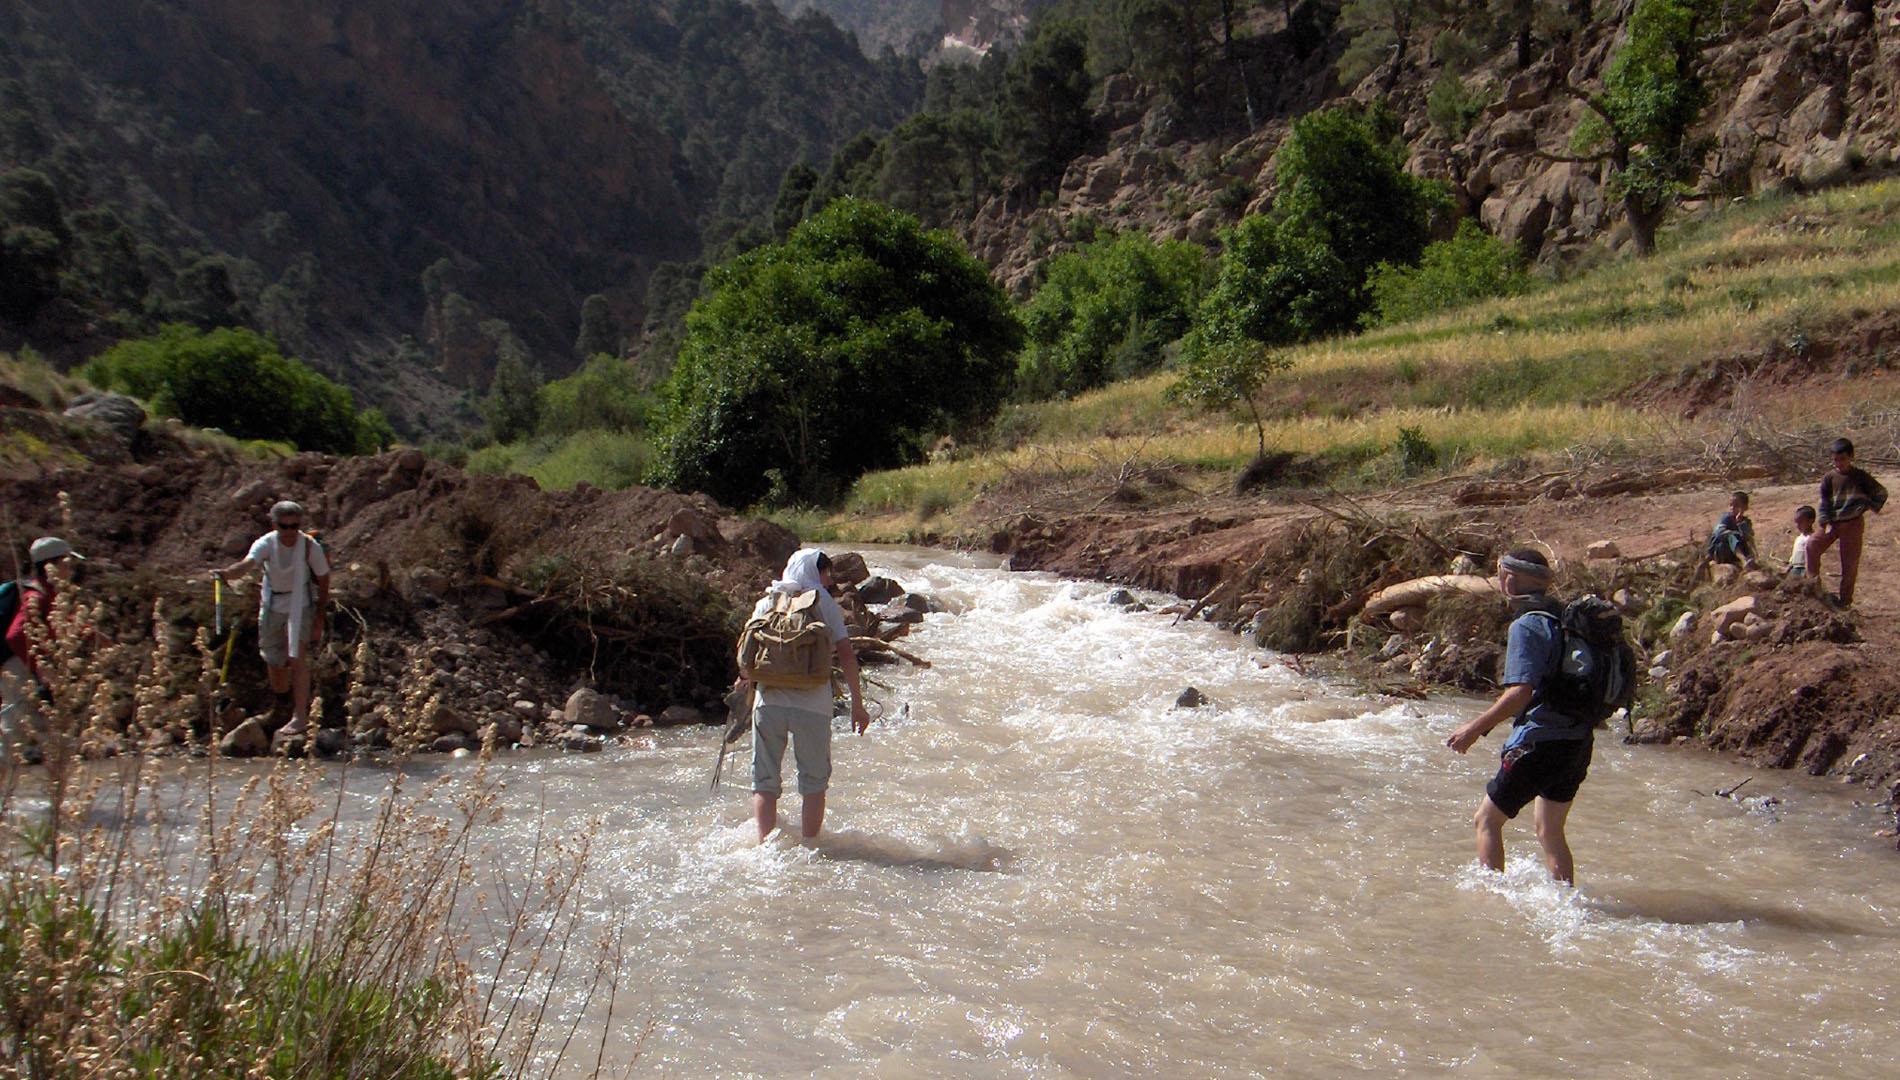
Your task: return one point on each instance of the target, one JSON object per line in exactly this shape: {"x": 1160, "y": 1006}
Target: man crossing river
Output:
{"x": 1548, "y": 754}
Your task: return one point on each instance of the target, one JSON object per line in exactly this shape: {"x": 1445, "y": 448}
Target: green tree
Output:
{"x": 1229, "y": 375}
{"x": 1105, "y": 311}
{"x": 1277, "y": 282}
{"x": 794, "y": 194}
{"x": 513, "y": 406}
{"x": 1045, "y": 101}
{"x": 1469, "y": 267}
{"x": 33, "y": 242}
{"x": 1342, "y": 174}
{"x": 840, "y": 350}
{"x": 237, "y": 380}
{"x": 1653, "y": 93}
{"x": 600, "y": 333}
{"x": 1380, "y": 36}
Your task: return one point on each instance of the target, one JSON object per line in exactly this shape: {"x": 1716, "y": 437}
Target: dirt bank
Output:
{"x": 489, "y": 597}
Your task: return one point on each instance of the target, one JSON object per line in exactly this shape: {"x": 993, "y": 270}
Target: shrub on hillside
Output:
{"x": 1105, "y": 312}
{"x": 604, "y": 395}
{"x": 840, "y": 350}
{"x": 237, "y": 381}
{"x": 1469, "y": 267}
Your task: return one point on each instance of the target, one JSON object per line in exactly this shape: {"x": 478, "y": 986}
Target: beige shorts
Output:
{"x": 273, "y": 636}
{"x": 811, "y": 748}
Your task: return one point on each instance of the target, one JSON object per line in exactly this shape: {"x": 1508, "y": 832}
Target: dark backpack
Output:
{"x": 1598, "y": 672}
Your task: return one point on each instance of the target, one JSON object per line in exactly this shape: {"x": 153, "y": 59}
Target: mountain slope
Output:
{"x": 299, "y": 165}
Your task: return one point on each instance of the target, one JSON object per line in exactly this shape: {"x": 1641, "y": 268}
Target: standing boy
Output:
{"x": 1804, "y": 535}
{"x": 290, "y": 620}
{"x": 1847, "y": 494}
{"x": 1548, "y": 754}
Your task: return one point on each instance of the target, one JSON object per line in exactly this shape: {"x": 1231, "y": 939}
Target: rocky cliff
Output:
{"x": 1805, "y": 96}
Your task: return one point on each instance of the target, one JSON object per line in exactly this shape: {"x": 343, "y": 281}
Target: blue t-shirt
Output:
{"x": 1532, "y": 654}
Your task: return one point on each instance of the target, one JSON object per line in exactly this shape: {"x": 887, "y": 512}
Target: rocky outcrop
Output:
{"x": 1806, "y": 95}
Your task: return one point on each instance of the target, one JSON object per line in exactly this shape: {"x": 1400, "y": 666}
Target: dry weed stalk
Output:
{"x": 169, "y": 918}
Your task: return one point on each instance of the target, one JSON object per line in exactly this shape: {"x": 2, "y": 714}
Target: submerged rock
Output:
{"x": 1191, "y": 698}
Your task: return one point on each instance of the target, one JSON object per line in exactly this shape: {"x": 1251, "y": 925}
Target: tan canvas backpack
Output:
{"x": 788, "y": 647}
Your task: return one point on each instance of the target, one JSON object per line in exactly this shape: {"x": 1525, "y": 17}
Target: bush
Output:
{"x": 1105, "y": 312}
{"x": 1469, "y": 267}
{"x": 838, "y": 351}
{"x": 604, "y": 395}
{"x": 1453, "y": 107}
{"x": 236, "y": 380}
{"x": 610, "y": 460}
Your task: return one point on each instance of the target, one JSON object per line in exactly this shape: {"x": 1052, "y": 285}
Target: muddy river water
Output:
{"x": 1038, "y": 867}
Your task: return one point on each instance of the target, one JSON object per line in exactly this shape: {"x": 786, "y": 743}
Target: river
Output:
{"x": 1036, "y": 866}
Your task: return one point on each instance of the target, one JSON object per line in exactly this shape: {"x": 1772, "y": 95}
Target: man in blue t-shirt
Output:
{"x": 1548, "y": 753}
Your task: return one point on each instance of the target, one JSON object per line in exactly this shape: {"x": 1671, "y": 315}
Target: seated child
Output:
{"x": 1733, "y": 539}
{"x": 1803, "y": 524}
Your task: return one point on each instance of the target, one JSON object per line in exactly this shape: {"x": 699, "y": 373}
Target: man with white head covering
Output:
{"x": 290, "y": 620}
{"x": 802, "y": 713}
{"x": 1548, "y": 754}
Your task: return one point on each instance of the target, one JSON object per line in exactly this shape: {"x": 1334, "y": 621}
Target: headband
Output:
{"x": 1523, "y": 566}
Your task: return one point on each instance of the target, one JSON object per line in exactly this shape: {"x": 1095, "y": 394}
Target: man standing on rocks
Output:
{"x": 21, "y": 681}
{"x": 803, "y": 714}
{"x": 1548, "y": 753}
{"x": 290, "y": 621}
{"x": 1847, "y": 493}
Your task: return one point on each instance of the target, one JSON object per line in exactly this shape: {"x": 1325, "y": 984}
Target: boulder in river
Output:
{"x": 879, "y": 590}
{"x": 589, "y": 709}
{"x": 849, "y": 569}
{"x": 1191, "y": 698}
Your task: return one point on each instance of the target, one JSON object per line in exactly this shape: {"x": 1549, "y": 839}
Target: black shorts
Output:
{"x": 1553, "y": 769}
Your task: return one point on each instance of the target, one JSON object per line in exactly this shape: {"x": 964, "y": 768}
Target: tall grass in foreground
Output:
{"x": 162, "y": 918}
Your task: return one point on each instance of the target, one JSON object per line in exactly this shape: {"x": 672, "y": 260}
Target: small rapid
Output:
{"x": 1036, "y": 866}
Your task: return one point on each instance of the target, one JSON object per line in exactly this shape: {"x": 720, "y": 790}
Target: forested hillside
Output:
{"x": 405, "y": 194}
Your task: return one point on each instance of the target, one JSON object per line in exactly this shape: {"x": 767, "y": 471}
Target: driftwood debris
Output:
{"x": 880, "y": 646}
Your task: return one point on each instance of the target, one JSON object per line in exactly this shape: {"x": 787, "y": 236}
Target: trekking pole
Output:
{"x": 224, "y": 670}
{"x": 217, "y": 606}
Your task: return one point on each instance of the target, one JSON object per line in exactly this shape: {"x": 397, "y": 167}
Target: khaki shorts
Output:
{"x": 273, "y": 636}
{"x": 811, "y": 748}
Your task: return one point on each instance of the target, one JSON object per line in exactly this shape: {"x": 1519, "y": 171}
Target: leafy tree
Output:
{"x": 1342, "y": 173}
{"x": 840, "y": 350}
{"x": 1653, "y": 93}
{"x": 1105, "y": 311}
{"x": 1469, "y": 267}
{"x": 1381, "y": 33}
{"x": 600, "y": 334}
{"x": 1045, "y": 101}
{"x": 513, "y": 406}
{"x": 1278, "y": 282}
{"x": 794, "y": 194}
{"x": 1227, "y": 375}
{"x": 33, "y": 242}
{"x": 236, "y": 380}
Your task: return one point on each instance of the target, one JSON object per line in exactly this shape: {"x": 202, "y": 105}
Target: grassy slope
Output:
{"x": 1522, "y": 378}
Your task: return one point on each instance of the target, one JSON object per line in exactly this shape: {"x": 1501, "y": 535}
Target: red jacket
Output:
{"x": 34, "y": 601}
